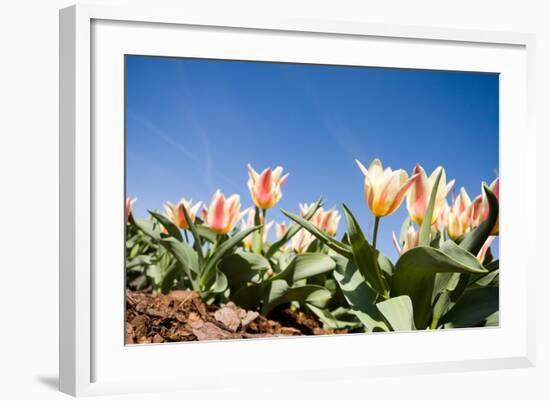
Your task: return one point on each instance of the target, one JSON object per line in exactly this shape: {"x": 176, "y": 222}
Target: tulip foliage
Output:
{"x": 445, "y": 275}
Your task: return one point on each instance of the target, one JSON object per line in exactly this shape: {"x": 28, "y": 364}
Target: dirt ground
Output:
{"x": 182, "y": 316}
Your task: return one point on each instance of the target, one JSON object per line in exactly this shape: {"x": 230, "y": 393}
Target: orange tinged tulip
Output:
{"x": 265, "y": 188}
{"x": 223, "y": 213}
{"x": 459, "y": 220}
{"x": 480, "y": 206}
{"x": 385, "y": 189}
{"x": 175, "y": 212}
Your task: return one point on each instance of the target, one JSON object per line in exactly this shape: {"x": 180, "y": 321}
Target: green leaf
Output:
{"x": 474, "y": 240}
{"x": 306, "y": 265}
{"x": 364, "y": 255}
{"x": 147, "y": 227}
{"x": 249, "y": 297}
{"x": 219, "y": 285}
{"x": 223, "y": 249}
{"x": 169, "y": 278}
{"x": 172, "y": 229}
{"x": 330, "y": 321}
{"x": 474, "y": 306}
{"x": 440, "y": 308}
{"x": 241, "y": 267}
{"x": 415, "y": 276}
{"x": 186, "y": 257}
{"x": 398, "y": 312}
{"x": 138, "y": 261}
{"x": 332, "y": 243}
{"x": 358, "y": 294}
{"x": 196, "y": 236}
{"x": 404, "y": 228}
{"x": 205, "y": 232}
{"x": 426, "y": 226}
{"x": 493, "y": 320}
{"x": 292, "y": 230}
{"x": 280, "y": 293}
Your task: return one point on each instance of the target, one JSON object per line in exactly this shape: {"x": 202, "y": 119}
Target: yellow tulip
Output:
{"x": 385, "y": 189}
{"x": 459, "y": 220}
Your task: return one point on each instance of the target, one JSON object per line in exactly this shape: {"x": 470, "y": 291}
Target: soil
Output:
{"x": 182, "y": 316}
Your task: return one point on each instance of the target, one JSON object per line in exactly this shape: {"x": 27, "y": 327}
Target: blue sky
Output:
{"x": 193, "y": 125}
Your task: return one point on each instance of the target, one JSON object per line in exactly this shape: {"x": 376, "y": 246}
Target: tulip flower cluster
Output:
{"x": 227, "y": 254}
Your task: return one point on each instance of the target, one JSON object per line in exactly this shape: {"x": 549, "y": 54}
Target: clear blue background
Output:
{"x": 193, "y": 125}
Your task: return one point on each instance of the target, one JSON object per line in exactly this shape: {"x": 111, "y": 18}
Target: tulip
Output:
{"x": 223, "y": 213}
{"x": 326, "y": 220}
{"x": 385, "y": 189}
{"x": 249, "y": 222}
{"x": 441, "y": 222}
{"x": 280, "y": 229}
{"x": 480, "y": 206}
{"x": 175, "y": 212}
{"x": 459, "y": 220}
{"x": 265, "y": 188}
{"x": 411, "y": 240}
{"x": 483, "y": 251}
{"x": 129, "y": 207}
{"x": 419, "y": 196}
{"x": 302, "y": 240}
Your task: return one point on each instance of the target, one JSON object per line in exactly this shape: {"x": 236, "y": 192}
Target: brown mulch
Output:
{"x": 182, "y": 316}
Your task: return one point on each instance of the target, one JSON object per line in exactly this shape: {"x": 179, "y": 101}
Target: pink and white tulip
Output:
{"x": 129, "y": 206}
{"x": 483, "y": 251}
{"x": 459, "y": 217}
{"x": 385, "y": 189}
{"x": 223, "y": 213}
{"x": 280, "y": 229}
{"x": 175, "y": 212}
{"x": 480, "y": 206}
{"x": 419, "y": 196}
{"x": 248, "y": 221}
{"x": 265, "y": 188}
{"x": 411, "y": 240}
{"x": 302, "y": 240}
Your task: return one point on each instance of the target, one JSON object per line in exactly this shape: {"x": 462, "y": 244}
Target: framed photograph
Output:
{"x": 291, "y": 199}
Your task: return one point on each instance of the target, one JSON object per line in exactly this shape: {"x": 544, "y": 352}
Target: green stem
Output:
{"x": 375, "y": 232}
{"x": 186, "y": 236}
{"x": 216, "y": 240}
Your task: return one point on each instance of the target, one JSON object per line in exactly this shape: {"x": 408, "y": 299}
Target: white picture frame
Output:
{"x": 93, "y": 360}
